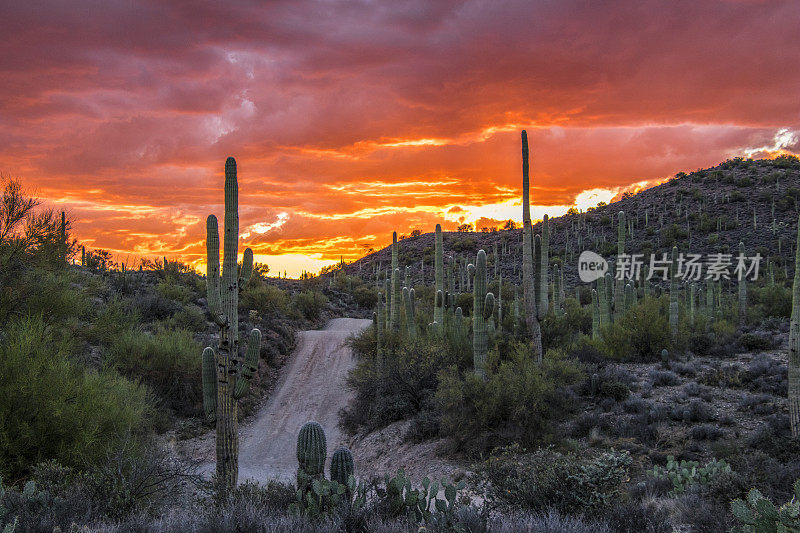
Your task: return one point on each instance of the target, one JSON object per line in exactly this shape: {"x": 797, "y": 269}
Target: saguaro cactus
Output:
{"x": 742, "y": 291}
{"x": 394, "y": 311}
{"x": 529, "y": 294}
{"x": 544, "y": 283}
{"x": 619, "y": 289}
{"x": 595, "y": 314}
{"x": 482, "y": 310}
{"x": 794, "y": 345}
{"x": 411, "y": 323}
{"x": 673, "y": 295}
{"x": 438, "y": 309}
{"x": 223, "y": 303}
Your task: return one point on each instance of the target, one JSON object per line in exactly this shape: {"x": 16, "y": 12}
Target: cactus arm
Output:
{"x": 209, "y": 385}
{"x": 212, "y": 271}
{"x": 250, "y": 364}
{"x": 247, "y": 268}
{"x": 488, "y": 306}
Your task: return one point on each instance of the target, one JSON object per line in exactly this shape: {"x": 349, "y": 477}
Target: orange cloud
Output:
{"x": 349, "y": 120}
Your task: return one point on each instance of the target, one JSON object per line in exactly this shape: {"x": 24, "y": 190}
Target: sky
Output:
{"x": 351, "y": 119}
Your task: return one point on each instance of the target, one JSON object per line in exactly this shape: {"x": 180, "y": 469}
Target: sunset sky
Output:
{"x": 350, "y": 119}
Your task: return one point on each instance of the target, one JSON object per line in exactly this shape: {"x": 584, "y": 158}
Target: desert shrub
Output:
{"x": 110, "y": 321}
{"x": 766, "y": 375}
{"x": 85, "y": 410}
{"x": 190, "y": 318}
{"x": 51, "y": 294}
{"x": 775, "y": 300}
{"x": 136, "y": 476}
{"x": 547, "y": 479}
{"x": 615, "y": 390}
{"x": 404, "y": 384}
{"x": 152, "y": 306}
{"x": 365, "y": 297}
{"x": 309, "y": 303}
{"x": 663, "y": 378}
{"x": 640, "y": 333}
{"x": 695, "y": 411}
{"x": 559, "y": 331}
{"x": 264, "y": 298}
{"x": 516, "y": 403}
{"x": 172, "y": 290}
{"x": 167, "y": 361}
{"x": 753, "y": 342}
{"x": 706, "y": 432}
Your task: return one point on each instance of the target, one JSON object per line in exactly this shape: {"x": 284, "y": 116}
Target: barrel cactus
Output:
{"x": 341, "y": 466}
{"x": 312, "y": 449}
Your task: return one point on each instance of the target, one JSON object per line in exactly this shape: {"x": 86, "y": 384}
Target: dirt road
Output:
{"x": 312, "y": 387}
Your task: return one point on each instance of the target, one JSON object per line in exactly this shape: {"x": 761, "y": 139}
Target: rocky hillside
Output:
{"x": 705, "y": 211}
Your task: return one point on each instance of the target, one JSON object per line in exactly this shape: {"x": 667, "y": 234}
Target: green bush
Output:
{"x": 168, "y": 361}
{"x": 774, "y": 299}
{"x": 517, "y": 403}
{"x": 264, "y": 298}
{"x": 639, "y": 334}
{"x": 562, "y": 331}
{"x": 403, "y": 386}
{"x": 365, "y": 297}
{"x": 173, "y": 290}
{"x": 547, "y": 479}
{"x": 111, "y": 320}
{"x": 50, "y": 408}
{"x": 309, "y": 304}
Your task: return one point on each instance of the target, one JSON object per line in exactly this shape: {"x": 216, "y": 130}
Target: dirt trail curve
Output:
{"x": 312, "y": 387}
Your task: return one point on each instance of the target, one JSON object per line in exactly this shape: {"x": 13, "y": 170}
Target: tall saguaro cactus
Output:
{"x": 673, "y": 295}
{"x": 394, "y": 310}
{"x": 411, "y": 323}
{"x": 529, "y": 294}
{"x": 544, "y": 283}
{"x": 794, "y": 345}
{"x": 438, "y": 309}
{"x": 482, "y": 310}
{"x": 619, "y": 288}
{"x": 232, "y": 374}
{"x": 742, "y": 292}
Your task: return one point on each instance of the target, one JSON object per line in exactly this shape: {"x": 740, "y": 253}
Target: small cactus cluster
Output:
{"x": 312, "y": 450}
